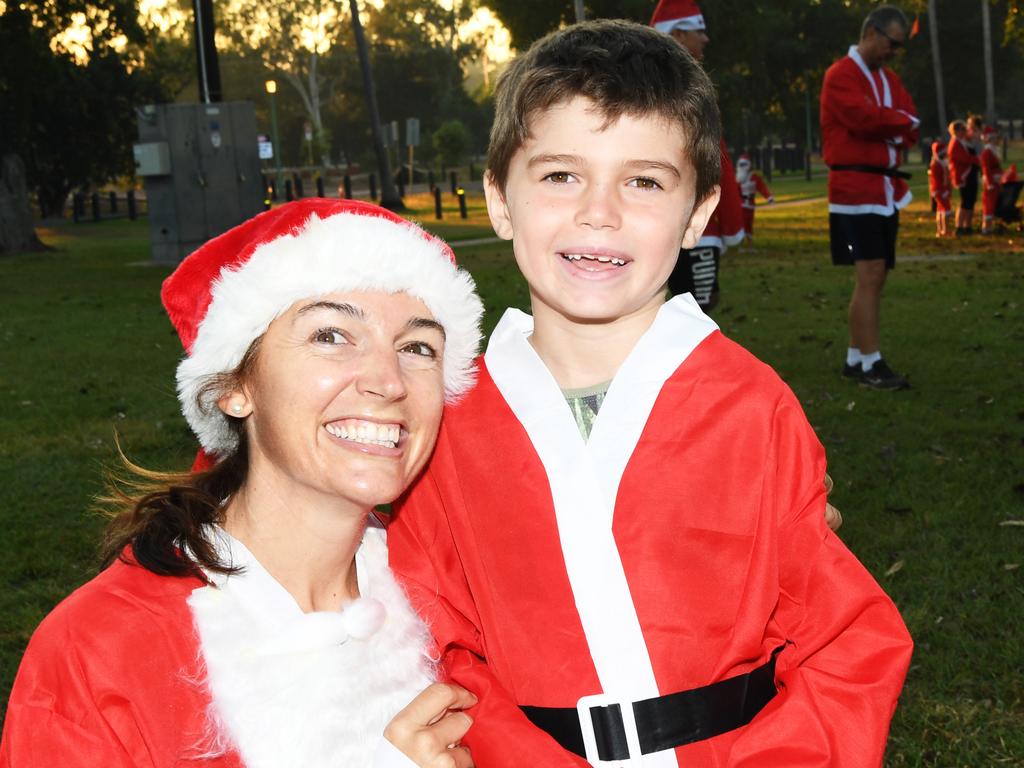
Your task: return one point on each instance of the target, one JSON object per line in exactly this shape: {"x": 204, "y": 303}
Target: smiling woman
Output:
{"x": 246, "y": 615}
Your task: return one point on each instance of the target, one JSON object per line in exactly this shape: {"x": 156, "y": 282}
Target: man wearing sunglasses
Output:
{"x": 867, "y": 120}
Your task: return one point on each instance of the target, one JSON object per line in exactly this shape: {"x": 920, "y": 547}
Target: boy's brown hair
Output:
{"x": 623, "y": 68}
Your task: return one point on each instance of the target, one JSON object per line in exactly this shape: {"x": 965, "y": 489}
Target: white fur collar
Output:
{"x": 307, "y": 690}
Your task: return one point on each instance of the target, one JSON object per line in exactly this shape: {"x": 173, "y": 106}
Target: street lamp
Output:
{"x": 272, "y": 91}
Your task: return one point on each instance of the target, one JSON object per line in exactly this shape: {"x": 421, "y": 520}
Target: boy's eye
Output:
{"x": 329, "y": 336}
{"x": 420, "y": 348}
{"x": 645, "y": 182}
{"x": 559, "y": 177}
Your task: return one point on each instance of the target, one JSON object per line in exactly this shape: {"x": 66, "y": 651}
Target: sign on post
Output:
{"x": 412, "y": 131}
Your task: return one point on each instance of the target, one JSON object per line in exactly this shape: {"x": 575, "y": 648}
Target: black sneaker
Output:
{"x": 855, "y": 372}
{"x": 881, "y": 376}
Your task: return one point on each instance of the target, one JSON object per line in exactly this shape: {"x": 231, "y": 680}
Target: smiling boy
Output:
{"x": 619, "y": 542}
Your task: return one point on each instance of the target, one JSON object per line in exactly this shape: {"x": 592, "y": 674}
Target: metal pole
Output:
{"x": 990, "y": 90}
{"x": 940, "y": 96}
{"x": 279, "y": 176}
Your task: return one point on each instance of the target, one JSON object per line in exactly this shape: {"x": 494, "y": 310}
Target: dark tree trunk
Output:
{"x": 17, "y": 232}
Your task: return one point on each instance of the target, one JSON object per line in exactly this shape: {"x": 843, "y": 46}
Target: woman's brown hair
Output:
{"x": 162, "y": 517}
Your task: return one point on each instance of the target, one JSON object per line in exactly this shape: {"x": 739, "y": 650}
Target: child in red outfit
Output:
{"x": 992, "y": 178}
{"x": 751, "y": 184}
{"x": 938, "y": 185}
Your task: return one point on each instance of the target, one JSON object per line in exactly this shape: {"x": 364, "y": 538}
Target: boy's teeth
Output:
{"x": 366, "y": 432}
{"x": 588, "y": 257}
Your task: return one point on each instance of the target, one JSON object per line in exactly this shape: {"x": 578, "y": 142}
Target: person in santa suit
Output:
{"x": 697, "y": 270}
{"x": 938, "y": 186}
{"x": 619, "y": 543}
{"x": 246, "y": 616}
{"x": 963, "y": 171}
{"x": 991, "y": 177}
{"x": 751, "y": 185}
{"x": 867, "y": 121}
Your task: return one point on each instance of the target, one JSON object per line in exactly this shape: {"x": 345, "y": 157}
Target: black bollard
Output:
{"x": 437, "y": 202}
{"x": 113, "y": 202}
{"x": 431, "y": 181}
{"x": 129, "y": 199}
{"x": 346, "y": 183}
{"x": 454, "y": 179}
{"x": 298, "y": 187}
{"x": 319, "y": 186}
{"x": 95, "y": 206}
{"x": 373, "y": 186}
{"x": 77, "y": 207}
{"x": 461, "y": 194}
{"x": 288, "y": 194}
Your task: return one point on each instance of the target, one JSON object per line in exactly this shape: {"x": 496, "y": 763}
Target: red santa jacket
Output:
{"x": 991, "y": 168}
{"x": 960, "y": 161}
{"x": 938, "y": 180}
{"x": 867, "y": 118}
{"x": 678, "y": 546}
{"x": 725, "y": 227}
{"x": 136, "y": 670}
{"x": 753, "y": 185}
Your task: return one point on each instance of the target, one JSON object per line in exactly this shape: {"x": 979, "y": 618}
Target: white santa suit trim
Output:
{"x": 584, "y": 477}
{"x": 884, "y": 100}
{"x": 308, "y": 690}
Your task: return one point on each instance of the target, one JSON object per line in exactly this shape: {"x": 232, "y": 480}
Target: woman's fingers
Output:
{"x": 429, "y": 729}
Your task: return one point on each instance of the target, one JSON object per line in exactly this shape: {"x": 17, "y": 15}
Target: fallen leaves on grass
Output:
{"x": 895, "y": 568}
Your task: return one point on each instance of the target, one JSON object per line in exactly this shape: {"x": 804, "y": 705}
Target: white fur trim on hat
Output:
{"x": 688, "y": 23}
{"x": 343, "y": 252}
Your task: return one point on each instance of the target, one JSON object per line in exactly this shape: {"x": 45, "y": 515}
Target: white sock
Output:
{"x": 867, "y": 361}
{"x": 853, "y": 356}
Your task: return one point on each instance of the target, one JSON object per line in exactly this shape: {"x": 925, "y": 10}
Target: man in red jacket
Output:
{"x": 696, "y": 272}
{"x": 867, "y": 120}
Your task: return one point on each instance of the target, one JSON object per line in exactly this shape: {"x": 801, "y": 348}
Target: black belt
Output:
{"x": 666, "y": 721}
{"x": 894, "y": 173}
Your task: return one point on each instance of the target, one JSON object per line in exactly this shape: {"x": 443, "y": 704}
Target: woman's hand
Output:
{"x": 429, "y": 729}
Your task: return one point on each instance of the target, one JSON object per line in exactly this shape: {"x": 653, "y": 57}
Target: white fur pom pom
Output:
{"x": 364, "y": 617}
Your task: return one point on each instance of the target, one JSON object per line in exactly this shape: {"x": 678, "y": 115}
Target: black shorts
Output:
{"x": 863, "y": 237}
{"x": 969, "y": 190}
{"x": 696, "y": 273}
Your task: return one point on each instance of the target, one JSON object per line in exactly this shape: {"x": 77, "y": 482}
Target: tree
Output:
{"x": 16, "y": 230}
{"x": 69, "y": 114}
{"x": 451, "y": 141}
{"x": 290, "y": 39}
{"x": 528, "y": 20}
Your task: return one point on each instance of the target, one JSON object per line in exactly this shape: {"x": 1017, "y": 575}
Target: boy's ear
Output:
{"x": 497, "y": 208}
{"x": 699, "y": 218}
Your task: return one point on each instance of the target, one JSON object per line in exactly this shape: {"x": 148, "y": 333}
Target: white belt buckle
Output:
{"x": 583, "y": 707}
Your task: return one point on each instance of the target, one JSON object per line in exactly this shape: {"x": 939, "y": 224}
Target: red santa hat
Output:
{"x": 223, "y": 296}
{"x": 989, "y": 133}
{"x": 743, "y": 159}
{"x": 677, "y": 14}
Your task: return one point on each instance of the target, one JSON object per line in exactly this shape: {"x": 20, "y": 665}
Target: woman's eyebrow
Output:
{"x": 346, "y": 309}
{"x": 426, "y": 322}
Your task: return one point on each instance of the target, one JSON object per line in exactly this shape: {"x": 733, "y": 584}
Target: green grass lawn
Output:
{"x": 931, "y": 481}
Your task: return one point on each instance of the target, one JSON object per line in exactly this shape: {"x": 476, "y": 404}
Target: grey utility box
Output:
{"x": 201, "y": 170}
